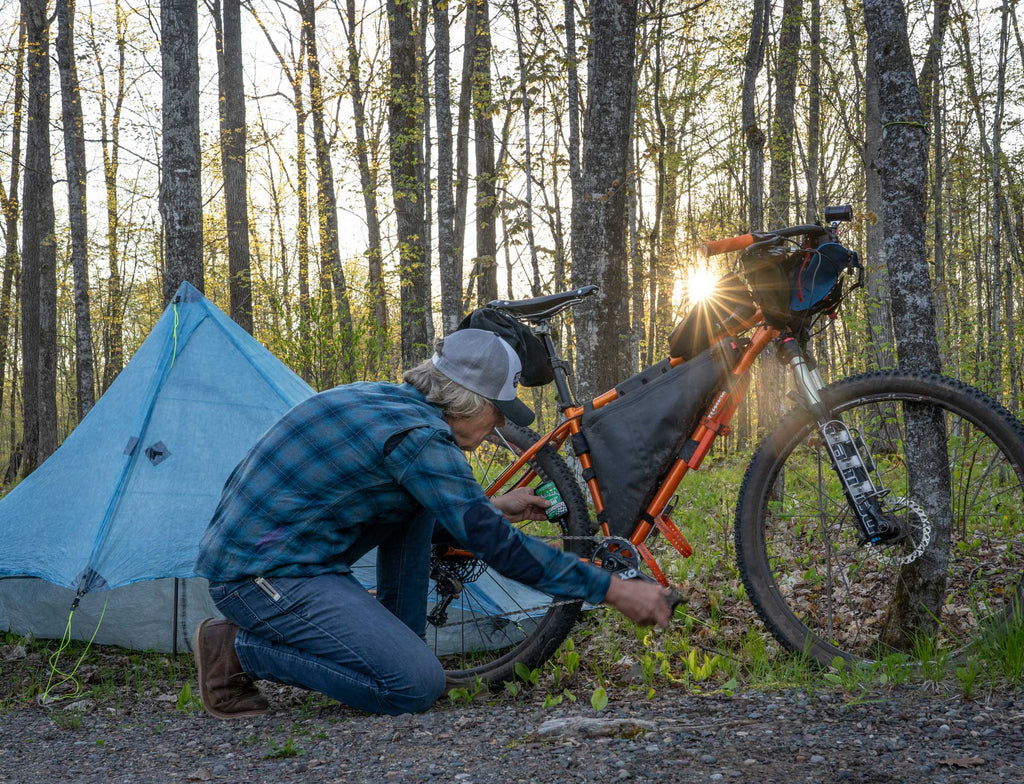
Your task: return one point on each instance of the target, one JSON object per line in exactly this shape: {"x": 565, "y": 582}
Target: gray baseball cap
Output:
{"x": 484, "y": 363}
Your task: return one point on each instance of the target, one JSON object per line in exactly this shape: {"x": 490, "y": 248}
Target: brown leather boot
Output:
{"x": 226, "y": 691}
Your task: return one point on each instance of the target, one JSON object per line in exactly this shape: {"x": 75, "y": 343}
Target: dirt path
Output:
{"x": 902, "y": 735}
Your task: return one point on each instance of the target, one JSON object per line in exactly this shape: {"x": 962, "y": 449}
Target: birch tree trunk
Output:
{"x": 903, "y": 166}
{"x": 181, "y": 199}
{"x": 39, "y": 251}
{"x": 600, "y": 251}
{"x": 233, "y": 134}
{"x": 405, "y": 128}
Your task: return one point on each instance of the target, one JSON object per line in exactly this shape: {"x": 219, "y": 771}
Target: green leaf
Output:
{"x": 599, "y": 699}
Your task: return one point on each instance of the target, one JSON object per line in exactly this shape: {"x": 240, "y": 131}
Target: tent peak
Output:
{"x": 187, "y": 293}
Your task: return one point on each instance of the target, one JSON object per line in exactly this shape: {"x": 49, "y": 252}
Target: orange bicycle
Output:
{"x": 885, "y": 510}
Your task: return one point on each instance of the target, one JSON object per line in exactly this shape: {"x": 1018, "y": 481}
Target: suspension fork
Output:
{"x": 850, "y": 458}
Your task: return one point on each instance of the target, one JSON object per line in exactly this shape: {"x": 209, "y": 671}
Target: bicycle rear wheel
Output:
{"x": 495, "y": 623}
{"x": 953, "y": 462}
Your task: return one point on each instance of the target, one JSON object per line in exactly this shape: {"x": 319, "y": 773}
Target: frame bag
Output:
{"x": 634, "y": 440}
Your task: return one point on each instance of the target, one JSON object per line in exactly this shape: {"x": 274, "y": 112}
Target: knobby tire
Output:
{"x": 819, "y": 592}
{"x": 464, "y": 667}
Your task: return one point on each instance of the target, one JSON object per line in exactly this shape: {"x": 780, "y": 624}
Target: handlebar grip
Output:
{"x": 716, "y": 247}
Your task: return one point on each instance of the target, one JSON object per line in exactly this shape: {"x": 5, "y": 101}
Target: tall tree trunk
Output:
{"x": 425, "y": 165}
{"x": 879, "y": 310}
{"x": 39, "y": 251}
{"x": 995, "y": 166}
{"x": 462, "y": 137}
{"x": 771, "y": 377}
{"x": 752, "y": 133}
{"x": 9, "y": 208}
{"x": 814, "y": 113}
{"x": 233, "y": 159}
{"x": 181, "y": 200}
{"x": 449, "y": 261}
{"x": 404, "y": 126}
{"x": 573, "y": 107}
{"x": 327, "y": 204}
{"x": 903, "y": 165}
{"x": 368, "y": 185}
{"x": 485, "y": 265}
{"x": 528, "y": 159}
{"x": 783, "y": 120}
{"x": 74, "y": 155}
{"x": 599, "y": 224}
{"x": 110, "y": 130}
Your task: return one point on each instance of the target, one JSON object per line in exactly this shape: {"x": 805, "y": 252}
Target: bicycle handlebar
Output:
{"x": 717, "y": 247}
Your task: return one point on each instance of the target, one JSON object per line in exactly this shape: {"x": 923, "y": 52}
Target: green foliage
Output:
{"x": 188, "y": 701}
{"x": 283, "y": 751}
{"x": 465, "y": 695}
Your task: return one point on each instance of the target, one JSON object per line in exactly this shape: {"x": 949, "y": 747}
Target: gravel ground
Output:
{"x": 906, "y": 734}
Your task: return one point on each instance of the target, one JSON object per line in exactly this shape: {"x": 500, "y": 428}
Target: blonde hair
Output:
{"x": 452, "y": 398}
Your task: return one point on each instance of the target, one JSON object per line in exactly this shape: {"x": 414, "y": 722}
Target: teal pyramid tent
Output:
{"x": 126, "y": 497}
{"x": 113, "y": 519}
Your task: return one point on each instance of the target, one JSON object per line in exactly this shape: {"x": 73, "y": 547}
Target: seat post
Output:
{"x": 565, "y": 399}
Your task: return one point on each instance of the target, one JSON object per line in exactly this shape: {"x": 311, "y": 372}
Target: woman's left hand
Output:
{"x": 521, "y": 504}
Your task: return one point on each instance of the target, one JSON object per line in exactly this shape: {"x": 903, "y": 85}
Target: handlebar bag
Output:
{"x": 634, "y": 440}
{"x": 814, "y": 283}
{"x": 537, "y": 369}
{"x": 768, "y": 271}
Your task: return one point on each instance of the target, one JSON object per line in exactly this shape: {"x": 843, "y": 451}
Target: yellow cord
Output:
{"x": 175, "y": 353}
{"x": 65, "y": 640}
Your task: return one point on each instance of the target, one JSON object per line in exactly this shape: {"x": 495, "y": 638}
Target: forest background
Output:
{"x": 347, "y": 179}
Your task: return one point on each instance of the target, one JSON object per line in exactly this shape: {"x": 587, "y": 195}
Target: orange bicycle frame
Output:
{"x": 713, "y": 423}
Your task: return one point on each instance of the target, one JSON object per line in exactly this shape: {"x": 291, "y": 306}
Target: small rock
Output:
{"x": 708, "y": 759}
{"x": 716, "y": 776}
{"x": 594, "y": 728}
{"x": 944, "y": 728}
{"x": 200, "y": 775}
{"x": 817, "y": 759}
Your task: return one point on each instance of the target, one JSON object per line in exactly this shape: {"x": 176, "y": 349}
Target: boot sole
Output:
{"x": 203, "y": 696}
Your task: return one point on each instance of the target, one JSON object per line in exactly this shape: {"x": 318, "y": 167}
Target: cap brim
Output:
{"x": 516, "y": 411}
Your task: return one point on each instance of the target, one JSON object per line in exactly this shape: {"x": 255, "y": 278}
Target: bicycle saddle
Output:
{"x": 538, "y": 309}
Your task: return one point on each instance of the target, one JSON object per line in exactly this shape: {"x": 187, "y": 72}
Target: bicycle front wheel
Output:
{"x": 494, "y": 623}
{"x": 952, "y": 461}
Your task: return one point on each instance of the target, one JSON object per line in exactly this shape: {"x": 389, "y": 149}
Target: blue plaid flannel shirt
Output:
{"x": 319, "y": 477}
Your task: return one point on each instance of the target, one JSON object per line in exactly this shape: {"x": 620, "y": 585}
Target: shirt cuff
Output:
{"x": 596, "y": 583}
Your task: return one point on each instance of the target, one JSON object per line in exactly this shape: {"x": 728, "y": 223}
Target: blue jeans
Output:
{"x": 326, "y": 633}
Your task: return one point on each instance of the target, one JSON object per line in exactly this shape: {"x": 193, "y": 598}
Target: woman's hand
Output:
{"x": 521, "y": 504}
{"x": 642, "y": 602}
